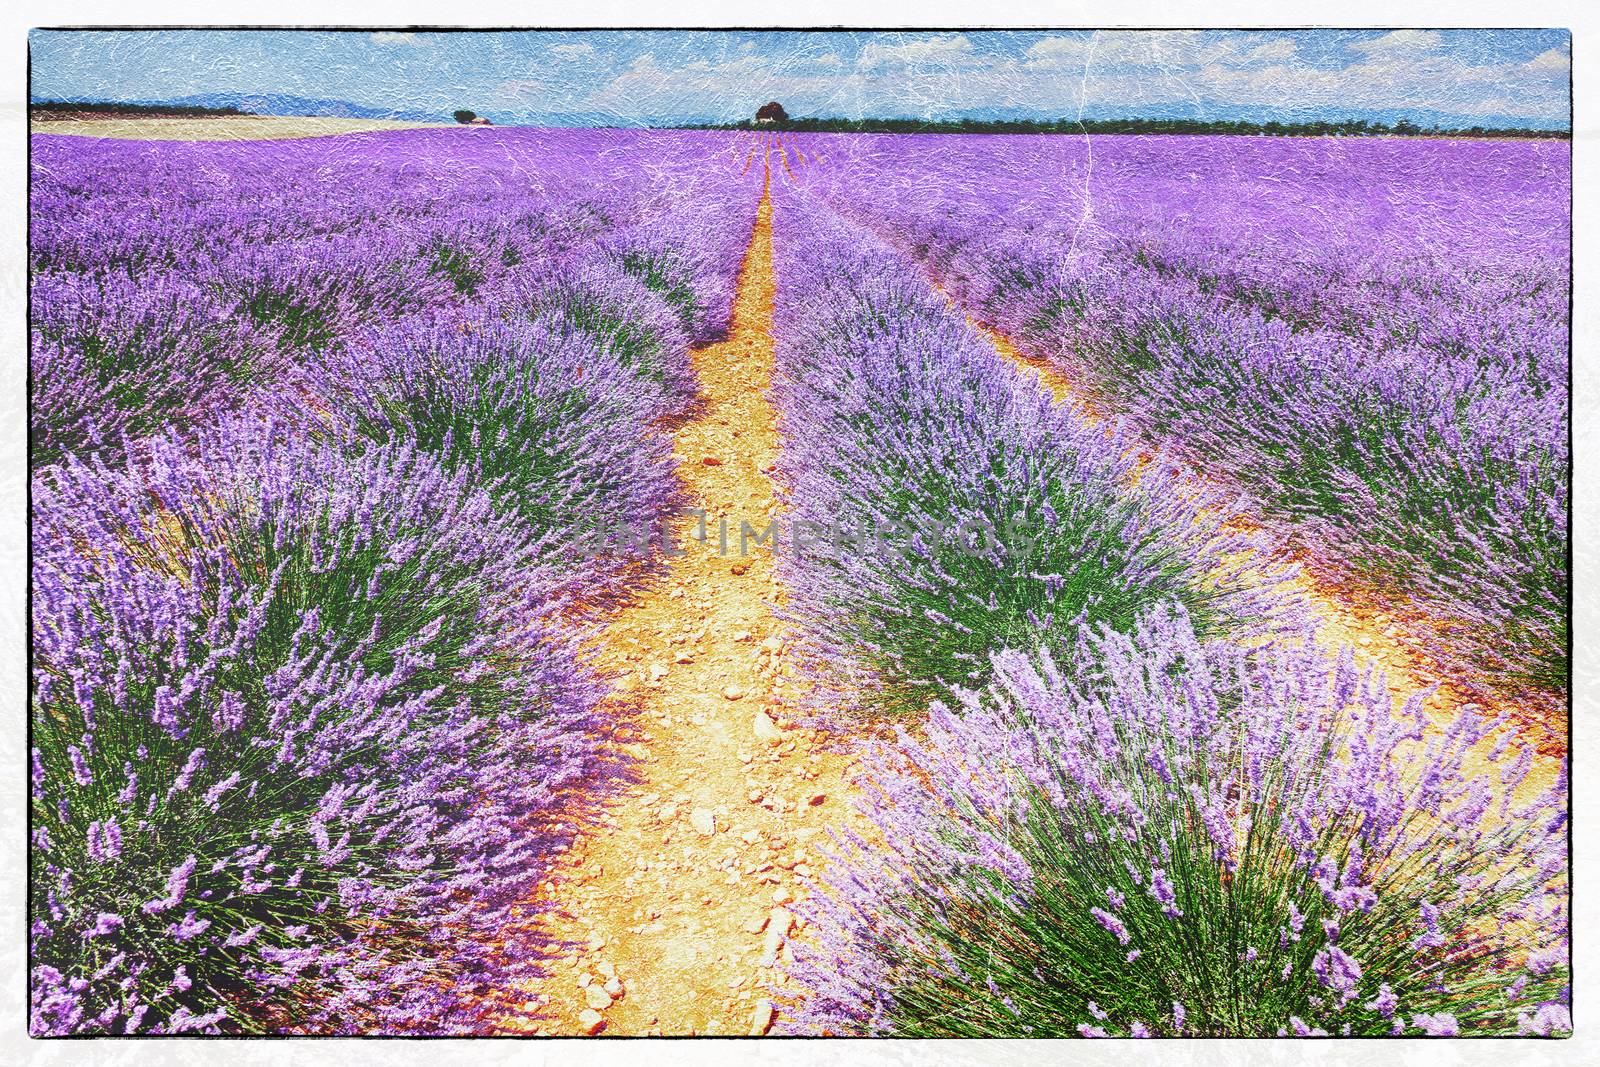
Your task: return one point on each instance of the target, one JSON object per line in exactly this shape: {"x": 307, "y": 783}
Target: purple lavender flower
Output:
{"x": 1441, "y": 1024}
{"x": 177, "y": 886}
{"x": 1164, "y": 893}
{"x": 1112, "y": 924}
{"x": 1549, "y": 1019}
{"x": 1337, "y": 970}
{"x": 105, "y": 923}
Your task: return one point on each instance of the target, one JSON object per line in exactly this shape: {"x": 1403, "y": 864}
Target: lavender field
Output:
{"x": 1152, "y": 618}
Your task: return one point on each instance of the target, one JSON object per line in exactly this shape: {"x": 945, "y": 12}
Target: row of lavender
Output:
{"x": 961, "y": 511}
{"x": 184, "y": 277}
{"x": 1124, "y": 813}
{"x": 318, "y": 430}
{"x": 1370, "y": 338}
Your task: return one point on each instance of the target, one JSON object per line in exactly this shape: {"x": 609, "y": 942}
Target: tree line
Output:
{"x": 110, "y": 108}
{"x": 1344, "y": 128}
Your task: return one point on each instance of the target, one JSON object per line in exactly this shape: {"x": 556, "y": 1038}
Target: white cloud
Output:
{"x": 520, "y": 92}
{"x": 1556, "y": 59}
{"x": 1400, "y": 43}
{"x": 949, "y": 51}
{"x": 581, "y": 50}
{"x": 392, "y": 39}
{"x": 1273, "y": 51}
{"x": 1159, "y": 48}
{"x": 1057, "y": 52}
{"x": 1431, "y": 82}
{"x": 1177, "y": 48}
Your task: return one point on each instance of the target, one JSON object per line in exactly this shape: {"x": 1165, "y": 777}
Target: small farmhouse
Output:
{"x": 771, "y": 112}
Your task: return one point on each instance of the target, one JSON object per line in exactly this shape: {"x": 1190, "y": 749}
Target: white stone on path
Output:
{"x": 765, "y": 729}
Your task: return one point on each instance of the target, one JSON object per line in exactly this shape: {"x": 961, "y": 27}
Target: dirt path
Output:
{"x": 783, "y": 156}
{"x": 755, "y": 150}
{"x": 677, "y": 895}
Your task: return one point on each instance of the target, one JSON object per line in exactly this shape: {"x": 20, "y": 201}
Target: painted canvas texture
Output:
{"x": 949, "y": 534}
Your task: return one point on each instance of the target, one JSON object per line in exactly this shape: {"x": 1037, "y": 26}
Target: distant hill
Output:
{"x": 243, "y": 104}
{"x": 304, "y": 107}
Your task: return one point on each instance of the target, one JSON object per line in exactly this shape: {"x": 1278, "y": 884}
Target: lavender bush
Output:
{"x": 114, "y": 359}
{"x": 545, "y": 419}
{"x": 1167, "y": 836}
{"x": 691, "y": 256}
{"x": 322, "y": 289}
{"x": 634, "y": 325}
{"x": 298, "y": 724}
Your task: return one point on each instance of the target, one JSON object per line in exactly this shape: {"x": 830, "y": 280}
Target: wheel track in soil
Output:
{"x": 690, "y": 923}
{"x": 1369, "y": 633}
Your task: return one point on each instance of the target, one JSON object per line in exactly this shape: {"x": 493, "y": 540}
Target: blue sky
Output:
{"x": 1460, "y": 77}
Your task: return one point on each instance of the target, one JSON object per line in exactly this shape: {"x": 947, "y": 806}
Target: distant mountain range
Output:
{"x": 282, "y": 104}
{"x": 251, "y": 104}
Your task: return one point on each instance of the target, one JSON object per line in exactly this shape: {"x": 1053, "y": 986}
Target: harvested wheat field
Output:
{"x": 212, "y": 128}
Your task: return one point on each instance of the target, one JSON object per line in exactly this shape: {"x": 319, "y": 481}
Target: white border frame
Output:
{"x": 16, "y": 1047}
